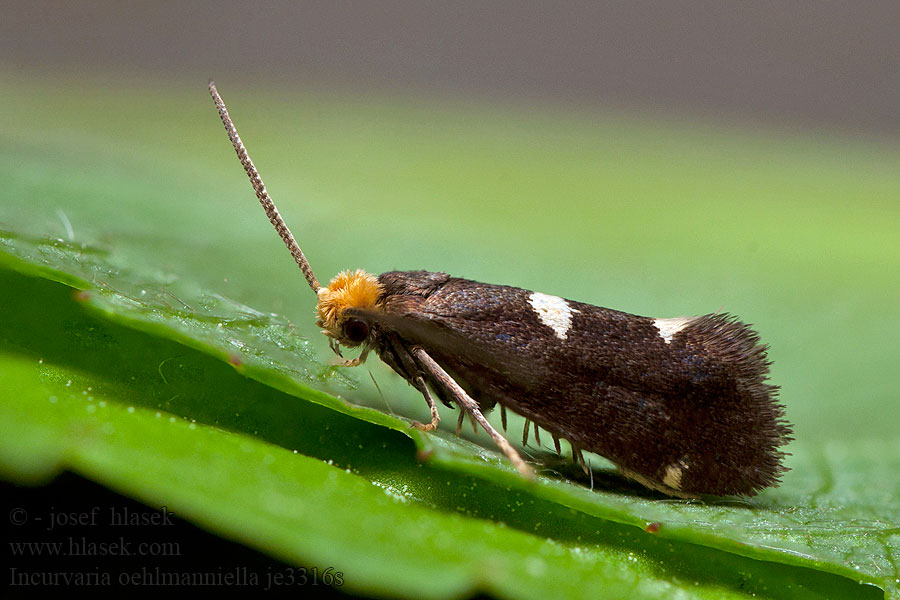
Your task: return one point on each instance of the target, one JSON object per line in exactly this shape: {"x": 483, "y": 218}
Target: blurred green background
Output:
{"x": 664, "y": 162}
{"x": 797, "y": 234}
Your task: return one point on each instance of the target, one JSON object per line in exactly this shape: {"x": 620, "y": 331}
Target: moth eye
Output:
{"x": 355, "y": 330}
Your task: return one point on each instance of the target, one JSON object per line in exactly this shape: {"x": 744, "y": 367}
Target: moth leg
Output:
{"x": 396, "y": 355}
{"x": 503, "y": 417}
{"x": 579, "y": 460}
{"x": 419, "y": 384}
{"x": 525, "y": 431}
{"x": 537, "y": 435}
{"x": 459, "y": 423}
{"x": 556, "y": 445}
{"x": 470, "y": 406}
{"x": 358, "y": 360}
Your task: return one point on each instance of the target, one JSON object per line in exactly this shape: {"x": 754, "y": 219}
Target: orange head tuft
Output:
{"x": 348, "y": 289}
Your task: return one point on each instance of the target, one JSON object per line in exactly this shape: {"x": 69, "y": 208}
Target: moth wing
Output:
{"x": 477, "y": 331}
{"x": 695, "y": 400}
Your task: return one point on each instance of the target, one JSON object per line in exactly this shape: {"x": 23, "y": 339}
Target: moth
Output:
{"x": 680, "y": 405}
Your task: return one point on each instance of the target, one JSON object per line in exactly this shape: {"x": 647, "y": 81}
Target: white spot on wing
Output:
{"x": 669, "y": 327}
{"x": 554, "y": 312}
{"x": 673, "y": 475}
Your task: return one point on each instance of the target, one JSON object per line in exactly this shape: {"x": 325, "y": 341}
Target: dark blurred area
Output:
{"x": 820, "y": 65}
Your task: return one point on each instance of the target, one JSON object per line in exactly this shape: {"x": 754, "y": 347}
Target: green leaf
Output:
{"x": 91, "y": 400}
{"x": 161, "y": 258}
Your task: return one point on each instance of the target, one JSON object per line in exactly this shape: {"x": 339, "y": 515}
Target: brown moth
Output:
{"x": 681, "y": 405}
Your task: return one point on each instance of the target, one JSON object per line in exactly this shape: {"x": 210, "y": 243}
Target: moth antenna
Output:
{"x": 260, "y": 188}
{"x": 525, "y": 431}
{"x": 503, "y": 417}
{"x": 537, "y": 435}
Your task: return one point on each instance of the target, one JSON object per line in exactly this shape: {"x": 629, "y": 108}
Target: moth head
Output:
{"x": 348, "y": 290}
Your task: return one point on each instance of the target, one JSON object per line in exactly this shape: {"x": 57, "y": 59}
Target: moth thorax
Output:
{"x": 348, "y": 289}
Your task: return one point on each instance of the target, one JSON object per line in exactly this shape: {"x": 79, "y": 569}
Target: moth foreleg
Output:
{"x": 465, "y": 402}
{"x": 419, "y": 384}
{"x": 358, "y": 360}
